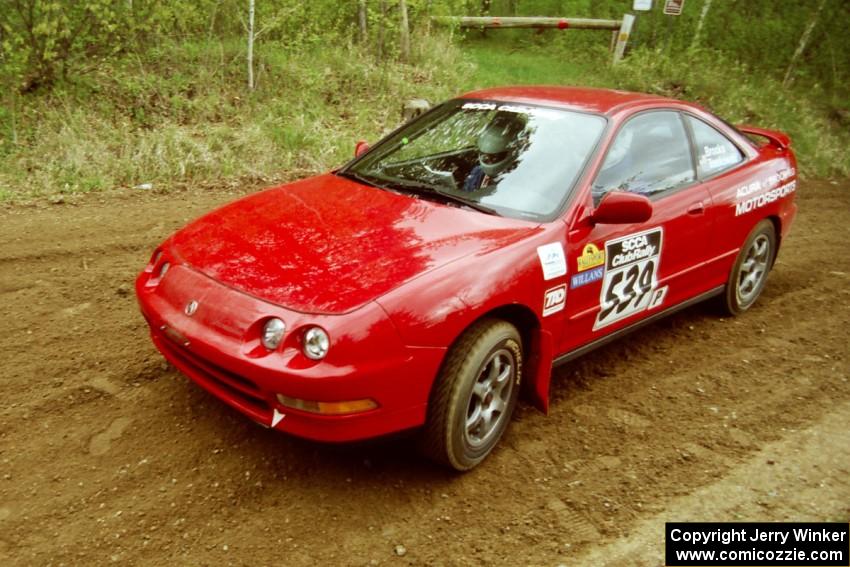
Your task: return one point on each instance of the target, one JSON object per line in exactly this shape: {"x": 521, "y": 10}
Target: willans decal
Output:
{"x": 584, "y": 278}
{"x": 631, "y": 277}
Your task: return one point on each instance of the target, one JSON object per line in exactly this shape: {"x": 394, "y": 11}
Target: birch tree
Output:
{"x": 702, "y": 15}
{"x": 404, "y": 31}
{"x": 804, "y": 40}
{"x": 361, "y": 20}
{"x": 251, "y": 44}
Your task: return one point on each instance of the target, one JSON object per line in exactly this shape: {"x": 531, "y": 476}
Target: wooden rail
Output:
{"x": 516, "y": 22}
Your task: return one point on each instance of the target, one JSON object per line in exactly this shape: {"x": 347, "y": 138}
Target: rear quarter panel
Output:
{"x": 763, "y": 188}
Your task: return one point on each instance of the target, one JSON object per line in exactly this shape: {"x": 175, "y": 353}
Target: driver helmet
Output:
{"x": 497, "y": 143}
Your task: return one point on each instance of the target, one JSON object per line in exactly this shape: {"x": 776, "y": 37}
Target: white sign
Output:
{"x": 642, "y": 5}
{"x": 673, "y": 7}
{"x": 552, "y": 260}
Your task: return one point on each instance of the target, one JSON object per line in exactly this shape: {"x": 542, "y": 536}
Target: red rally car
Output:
{"x": 465, "y": 254}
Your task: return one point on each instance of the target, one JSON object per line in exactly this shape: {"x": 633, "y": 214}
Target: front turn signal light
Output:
{"x": 328, "y": 408}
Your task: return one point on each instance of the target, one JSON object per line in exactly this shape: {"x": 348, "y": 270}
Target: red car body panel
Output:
{"x": 341, "y": 245}
{"x": 395, "y": 280}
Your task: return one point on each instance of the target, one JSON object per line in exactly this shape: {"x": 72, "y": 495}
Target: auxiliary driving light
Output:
{"x": 273, "y": 333}
{"x": 328, "y": 408}
{"x": 316, "y": 343}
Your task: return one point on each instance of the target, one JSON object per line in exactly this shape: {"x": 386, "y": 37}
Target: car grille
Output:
{"x": 237, "y": 386}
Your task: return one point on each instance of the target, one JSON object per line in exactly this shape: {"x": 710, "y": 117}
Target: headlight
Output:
{"x": 273, "y": 333}
{"x": 316, "y": 343}
{"x": 164, "y": 269}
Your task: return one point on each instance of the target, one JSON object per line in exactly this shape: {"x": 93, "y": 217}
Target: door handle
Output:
{"x": 696, "y": 208}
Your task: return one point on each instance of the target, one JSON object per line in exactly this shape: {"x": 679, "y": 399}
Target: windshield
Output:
{"x": 511, "y": 159}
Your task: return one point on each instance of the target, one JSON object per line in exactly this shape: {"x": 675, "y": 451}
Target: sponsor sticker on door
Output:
{"x": 554, "y": 299}
{"x": 631, "y": 276}
{"x": 591, "y": 256}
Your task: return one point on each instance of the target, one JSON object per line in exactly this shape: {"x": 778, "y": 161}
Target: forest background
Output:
{"x": 103, "y": 94}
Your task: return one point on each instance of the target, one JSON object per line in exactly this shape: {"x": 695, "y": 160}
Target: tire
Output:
{"x": 749, "y": 274}
{"x": 474, "y": 395}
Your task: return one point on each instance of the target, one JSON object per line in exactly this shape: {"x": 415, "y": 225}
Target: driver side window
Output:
{"x": 650, "y": 155}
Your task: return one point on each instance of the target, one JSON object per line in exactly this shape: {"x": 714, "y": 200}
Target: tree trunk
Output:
{"x": 804, "y": 40}
{"x": 705, "y": 8}
{"x": 404, "y": 31}
{"x": 382, "y": 23}
{"x": 361, "y": 21}
{"x": 251, "y": 44}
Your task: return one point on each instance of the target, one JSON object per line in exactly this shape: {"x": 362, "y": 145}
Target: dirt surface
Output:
{"x": 108, "y": 455}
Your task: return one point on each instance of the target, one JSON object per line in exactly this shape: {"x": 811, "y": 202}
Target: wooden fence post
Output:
{"x": 623, "y": 37}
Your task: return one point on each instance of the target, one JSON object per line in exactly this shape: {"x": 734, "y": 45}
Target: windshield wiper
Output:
{"x": 361, "y": 178}
{"x": 428, "y": 191}
{"x": 468, "y": 202}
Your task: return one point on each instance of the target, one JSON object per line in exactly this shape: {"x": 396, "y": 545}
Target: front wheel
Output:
{"x": 749, "y": 273}
{"x": 475, "y": 395}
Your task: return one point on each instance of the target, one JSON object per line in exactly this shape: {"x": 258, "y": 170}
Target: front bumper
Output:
{"x": 214, "y": 348}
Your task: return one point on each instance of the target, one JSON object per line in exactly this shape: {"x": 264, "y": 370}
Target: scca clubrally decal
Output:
{"x": 631, "y": 276}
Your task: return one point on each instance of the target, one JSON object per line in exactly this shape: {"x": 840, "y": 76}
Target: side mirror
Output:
{"x": 413, "y": 108}
{"x": 361, "y": 147}
{"x": 620, "y": 207}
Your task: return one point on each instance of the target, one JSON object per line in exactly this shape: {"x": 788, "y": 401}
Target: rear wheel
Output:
{"x": 475, "y": 395}
{"x": 749, "y": 274}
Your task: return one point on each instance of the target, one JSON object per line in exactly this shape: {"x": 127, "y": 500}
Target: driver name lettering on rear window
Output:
{"x": 631, "y": 276}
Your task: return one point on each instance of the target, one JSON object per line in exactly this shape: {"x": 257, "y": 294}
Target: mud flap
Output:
{"x": 539, "y": 370}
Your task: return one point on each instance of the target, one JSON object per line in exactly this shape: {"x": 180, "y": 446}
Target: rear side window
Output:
{"x": 650, "y": 155}
{"x": 715, "y": 152}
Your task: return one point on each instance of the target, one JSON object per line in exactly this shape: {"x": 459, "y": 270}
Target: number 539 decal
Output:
{"x": 631, "y": 277}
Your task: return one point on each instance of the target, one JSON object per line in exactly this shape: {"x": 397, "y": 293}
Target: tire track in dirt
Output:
{"x": 106, "y": 454}
{"x": 755, "y": 490}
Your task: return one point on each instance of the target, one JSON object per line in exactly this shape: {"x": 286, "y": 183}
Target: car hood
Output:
{"x": 329, "y": 245}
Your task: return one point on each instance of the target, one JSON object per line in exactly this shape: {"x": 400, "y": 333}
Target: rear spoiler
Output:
{"x": 775, "y": 137}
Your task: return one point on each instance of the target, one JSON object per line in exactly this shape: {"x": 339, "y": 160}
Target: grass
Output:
{"x": 728, "y": 88}
{"x": 184, "y": 115}
{"x": 519, "y": 64}
{"x": 137, "y": 122}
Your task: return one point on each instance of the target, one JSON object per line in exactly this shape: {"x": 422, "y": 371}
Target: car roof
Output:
{"x": 601, "y": 101}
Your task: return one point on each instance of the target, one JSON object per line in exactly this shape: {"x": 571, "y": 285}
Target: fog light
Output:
{"x": 316, "y": 343}
{"x": 328, "y": 408}
{"x": 273, "y": 333}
